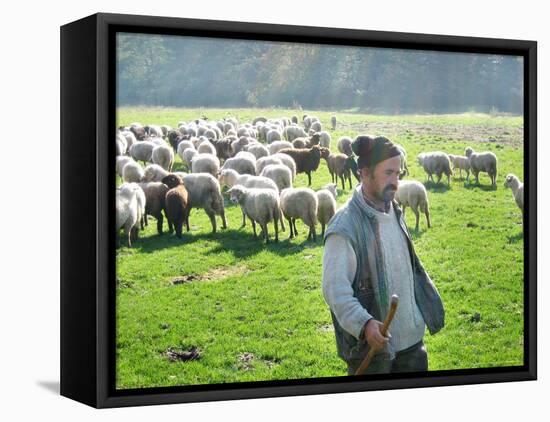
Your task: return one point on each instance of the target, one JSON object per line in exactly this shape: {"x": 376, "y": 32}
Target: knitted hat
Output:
{"x": 372, "y": 151}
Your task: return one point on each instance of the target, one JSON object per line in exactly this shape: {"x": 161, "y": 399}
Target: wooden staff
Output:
{"x": 372, "y": 351}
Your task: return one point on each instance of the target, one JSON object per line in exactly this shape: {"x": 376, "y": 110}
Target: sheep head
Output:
{"x": 324, "y": 152}
{"x": 236, "y": 193}
{"x": 172, "y": 180}
{"x": 468, "y": 151}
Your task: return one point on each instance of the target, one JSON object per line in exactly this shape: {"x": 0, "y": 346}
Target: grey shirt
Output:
{"x": 340, "y": 265}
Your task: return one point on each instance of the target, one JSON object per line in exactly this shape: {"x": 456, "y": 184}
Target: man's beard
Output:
{"x": 388, "y": 193}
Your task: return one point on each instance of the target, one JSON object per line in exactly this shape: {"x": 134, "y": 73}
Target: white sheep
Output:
{"x": 326, "y": 206}
{"x": 324, "y": 139}
{"x": 130, "y": 138}
{"x": 288, "y": 161}
{"x": 258, "y": 150}
{"x": 513, "y": 182}
{"x": 121, "y": 145}
{"x": 411, "y": 193}
{"x": 153, "y": 173}
{"x": 206, "y": 148}
{"x": 132, "y": 172}
{"x": 262, "y": 162}
{"x": 280, "y": 174}
{"x": 121, "y": 161}
{"x": 344, "y": 145}
{"x": 437, "y": 163}
{"x": 187, "y": 157}
{"x": 483, "y": 162}
{"x": 273, "y": 135}
{"x": 260, "y": 205}
{"x": 205, "y": 163}
{"x": 163, "y": 155}
{"x": 460, "y": 163}
{"x": 276, "y": 146}
{"x": 142, "y": 150}
{"x": 130, "y": 208}
{"x": 243, "y": 165}
{"x": 300, "y": 203}
{"x": 204, "y": 192}
{"x": 294, "y": 131}
{"x": 332, "y": 188}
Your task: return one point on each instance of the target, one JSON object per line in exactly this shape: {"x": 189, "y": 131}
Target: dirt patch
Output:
{"x": 124, "y": 284}
{"x": 214, "y": 274}
{"x": 245, "y": 361}
{"x": 179, "y": 355}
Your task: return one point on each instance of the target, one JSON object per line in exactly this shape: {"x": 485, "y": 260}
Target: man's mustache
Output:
{"x": 390, "y": 187}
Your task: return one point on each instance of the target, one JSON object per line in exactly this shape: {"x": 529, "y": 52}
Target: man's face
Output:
{"x": 382, "y": 183}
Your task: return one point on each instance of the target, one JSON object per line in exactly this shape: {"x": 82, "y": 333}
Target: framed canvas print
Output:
{"x": 254, "y": 210}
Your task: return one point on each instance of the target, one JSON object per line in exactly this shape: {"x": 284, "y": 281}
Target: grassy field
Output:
{"x": 256, "y": 312}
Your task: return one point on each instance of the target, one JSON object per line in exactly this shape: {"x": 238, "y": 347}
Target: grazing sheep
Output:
{"x": 154, "y": 131}
{"x": 294, "y": 119}
{"x": 121, "y": 161}
{"x": 155, "y": 200}
{"x": 260, "y": 205}
{"x": 239, "y": 145}
{"x": 344, "y": 145}
{"x": 332, "y": 188}
{"x": 436, "y": 162}
{"x": 132, "y": 172}
{"x": 258, "y": 150}
{"x": 204, "y": 192}
{"x": 223, "y": 148}
{"x": 294, "y": 131}
{"x": 315, "y": 126}
{"x": 287, "y": 161}
{"x": 176, "y": 204}
{"x": 127, "y": 212}
{"x": 483, "y": 162}
{"x": 230, "y": 178}
{"x": 210, "y": 134}
{"x": 163, "y": 155}
{"x": 182, "y": 146}
{"x": 276, "y": 146}
{"x": 512, "y": 182}
{"x": 247, "y": 155}
{"x": 139, "y": 132}
{"x": 261, "y": 163}
{"x": 308, "y": 121}
{"x": 142, "y": 151}
{"x": 324, "y": 139}
{"x": 333, "y": 123}
{"x": 259, "y": 119}
{"x": 243, "y": 165}
{"x": 307, "y": 160}
{"x": 326, "y": 207}
{"x": 413, "y": 194}
{"x": 121, "y": 145}
{"x": 153, "y": 173}
{"x": 300, "y": 203}
{"x": 461, "y": 163}
{"x": 280, "y": 174}
{"x": 338, "y": 167}
{"x": 404, "y": 170}
{"x": 130, "y": 138}
{"x": 188, "y": 155}
{"x": 299, "y": 143}
{"x": 273, "y": 135}
{"x": 205, "y": 163}
{"x": 206, "y": 148}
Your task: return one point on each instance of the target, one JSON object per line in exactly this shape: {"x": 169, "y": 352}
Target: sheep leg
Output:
{"x": 276, "y": 224}
{"x": 342, "y": 180}
{"x": 417, "y": 216}
{"x": 428, "y": 218}
{"x": 159, "y": 223}
{"x": 266, "y": 234}
{"x": 244, "y": 220}
{"x": 439, "y": 178}
{"x": 224, "y": 222}
{"x": 309, "y": 178}
{"x": 170, "y": 227}
{"x": 291, "y": 227}
{"x": 254, "y": 228}
{"x": 349, "y": 178}
{"x": 281, "y": 218}
{"x": 323, "y": 230}
{"x": 212, "y": 217}
{"x": 178, "y": 226}
{"x": 314, "y": 234}
{"x": 294, "y": 224}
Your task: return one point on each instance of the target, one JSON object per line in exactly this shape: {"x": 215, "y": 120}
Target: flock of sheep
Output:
{"x": 258, "y": 162}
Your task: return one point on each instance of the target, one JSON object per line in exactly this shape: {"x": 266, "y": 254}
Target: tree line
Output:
{"x": 180, "y": 71}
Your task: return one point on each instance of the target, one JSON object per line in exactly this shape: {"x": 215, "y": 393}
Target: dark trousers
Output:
{"x": 412, "y": 359}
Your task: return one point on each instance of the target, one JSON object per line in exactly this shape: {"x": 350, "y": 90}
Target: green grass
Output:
{"x": 257, "y": 312}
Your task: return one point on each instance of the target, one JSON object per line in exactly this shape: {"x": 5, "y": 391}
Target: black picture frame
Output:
{"x": 87, "y": 236}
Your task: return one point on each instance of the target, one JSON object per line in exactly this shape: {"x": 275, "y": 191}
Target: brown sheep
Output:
{"x": 307, "y": 160}
{"x": 177, "y": 211}
{"x": 338, "y": 167}
{"x": 155, "y": 201}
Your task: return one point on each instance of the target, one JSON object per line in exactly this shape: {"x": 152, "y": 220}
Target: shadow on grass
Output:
{"x": 515, "y": 238}
{"x": 240, "y": 242}
{"x": 433, "y": 187}
{"x": 485, "y": 188}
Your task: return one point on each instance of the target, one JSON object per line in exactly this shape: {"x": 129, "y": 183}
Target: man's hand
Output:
{"x": 374, "y": 337}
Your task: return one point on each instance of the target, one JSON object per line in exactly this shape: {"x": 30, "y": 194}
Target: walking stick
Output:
{"x": 366, "y": 362}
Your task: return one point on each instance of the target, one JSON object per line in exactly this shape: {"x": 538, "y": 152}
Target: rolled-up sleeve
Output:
{"x": 339, "y": 266}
